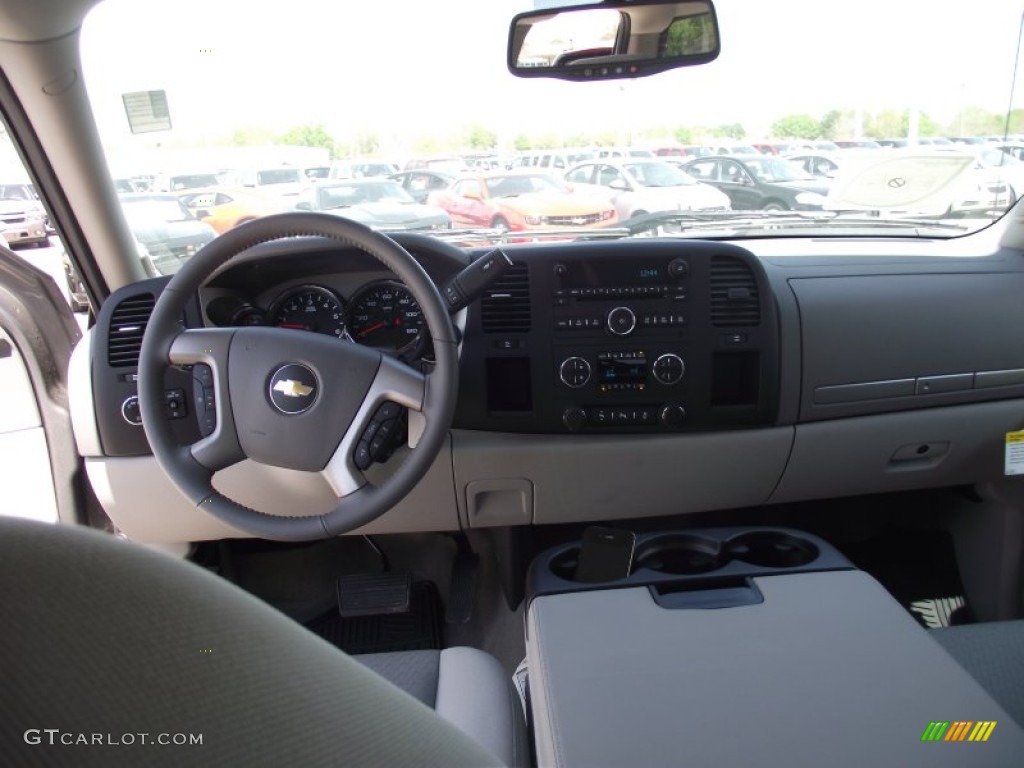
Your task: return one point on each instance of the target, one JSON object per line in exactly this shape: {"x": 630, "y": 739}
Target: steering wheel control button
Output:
{"x": 669, "y": 369}
{"x": 574, "y": 372}
{"x": 621, "y": 321}
{"x": 362, "y": 457}
{"x": 130, "y": 411}
{"x": 293, "y": 388}
{"x": 174, "y": 401}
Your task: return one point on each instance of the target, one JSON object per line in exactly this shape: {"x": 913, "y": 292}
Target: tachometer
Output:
{"x": 385, "y": 315}
{"x": 310, "y": 308}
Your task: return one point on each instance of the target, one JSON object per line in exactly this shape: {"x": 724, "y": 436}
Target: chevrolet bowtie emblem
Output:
{"x": 292, "y": 388}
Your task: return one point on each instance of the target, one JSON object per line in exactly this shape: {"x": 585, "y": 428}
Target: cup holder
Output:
{"x": 680, "y": 554}
{"x": 693, "y": 554}
{"x": 563, "y": 565}
{"x": 772, "y": 549}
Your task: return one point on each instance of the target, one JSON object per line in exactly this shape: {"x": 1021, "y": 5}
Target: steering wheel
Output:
{"x": 292, "y": 399}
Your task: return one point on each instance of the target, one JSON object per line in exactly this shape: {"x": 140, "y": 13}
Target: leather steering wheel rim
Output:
{"x": 191, "y": 468}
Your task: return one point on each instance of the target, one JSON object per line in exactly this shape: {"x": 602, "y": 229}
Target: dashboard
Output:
{"x": 615, "y": 379}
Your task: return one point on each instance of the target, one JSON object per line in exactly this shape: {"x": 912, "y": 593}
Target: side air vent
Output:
{"x": 127, "y": 324}
{"x": 506, "y": 306}
{"x": 734, "y": 296}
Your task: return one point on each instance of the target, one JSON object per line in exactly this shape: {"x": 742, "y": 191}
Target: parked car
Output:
{"x": 851, "y": 144}
{"x": 1011, "y": 148}
{"x": 520, "y": 201}
{"x": 420, "y": 184}
{"x": 819, "y": 164}
{"x": 446, "y": 163}
{"x": 377, "y": 203}
{"x": 553, "y": 159}
{"x": 282, "y": 181}
{"x": 684, "y": 150}
{"x": 226, "y": 207}
{"x": 170, "y": 233}
{"x": 183, "y": 182}
{"x": 23, "y": 220}
{"x": 362, "y": 169}
{"x": 642, "y": 186}
{"x": 760, "y": 182}
{"x": 611, "y": 152}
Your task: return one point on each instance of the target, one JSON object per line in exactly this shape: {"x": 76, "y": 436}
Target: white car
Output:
{"x": 644, "y": 185}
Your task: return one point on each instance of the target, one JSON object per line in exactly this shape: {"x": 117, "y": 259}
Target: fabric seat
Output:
{"x": 468, "y": 688}
{"x": 993, "y": 652}
{"x": 109, "y": 647}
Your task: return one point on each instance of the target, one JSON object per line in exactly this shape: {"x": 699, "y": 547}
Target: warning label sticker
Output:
{"x": 1015, "y": 453}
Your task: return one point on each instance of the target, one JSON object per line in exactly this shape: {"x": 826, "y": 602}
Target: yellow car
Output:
{"x": 226, "y": 207}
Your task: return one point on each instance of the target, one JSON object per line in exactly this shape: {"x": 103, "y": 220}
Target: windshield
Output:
{"x": 412, "y": 90}
{"x": 344, "y": 195}
{"x": 522, "y": 184}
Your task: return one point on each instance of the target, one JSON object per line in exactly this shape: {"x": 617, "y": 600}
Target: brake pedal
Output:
{"x": 374, "y": 594}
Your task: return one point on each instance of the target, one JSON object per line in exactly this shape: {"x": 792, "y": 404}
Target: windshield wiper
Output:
{"x": 732, "y": 222}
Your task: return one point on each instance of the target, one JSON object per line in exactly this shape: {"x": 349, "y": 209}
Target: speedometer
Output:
{"x": 310, "y": 308}
{"x": 385, "y": 315}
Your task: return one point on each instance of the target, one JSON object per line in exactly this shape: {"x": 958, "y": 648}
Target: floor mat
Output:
{"x": 919, "y": 569}
{"x": 419, "y": 629}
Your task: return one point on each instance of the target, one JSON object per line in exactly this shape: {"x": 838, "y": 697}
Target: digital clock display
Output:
{"x": 615, "y": 273}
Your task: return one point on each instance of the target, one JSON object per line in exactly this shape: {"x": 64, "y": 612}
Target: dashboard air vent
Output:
{"x": 127, "y": 324}
{"x": 506, "y": 306}
{"x": 734, "y": 296}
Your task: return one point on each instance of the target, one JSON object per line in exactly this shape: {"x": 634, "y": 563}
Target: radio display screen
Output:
{"x": 616, "y": 273}
{"x": 621, "y": 371}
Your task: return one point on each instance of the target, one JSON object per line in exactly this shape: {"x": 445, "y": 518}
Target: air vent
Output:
{"x": 506, "y": 307}
{"x": 127, "y": 324}
{"x": 734, "y": 297}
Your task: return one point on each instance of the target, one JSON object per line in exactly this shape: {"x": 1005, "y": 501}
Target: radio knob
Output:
{"x": 672, "y": 415}
{"x": 574, "y": 372}
{"x": 678, "y": 269}
{"x": 574, "y": 418}
{"x": 669, "y": 369}
{"x": 621, "y": 321}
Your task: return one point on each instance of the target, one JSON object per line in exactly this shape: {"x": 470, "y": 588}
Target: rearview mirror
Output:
{"x": 613, "y": 40}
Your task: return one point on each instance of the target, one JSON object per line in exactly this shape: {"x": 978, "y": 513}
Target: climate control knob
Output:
{"x": 574, "y": 372}
{"x": 621, "y": 321}
{"x": 574, "y": 418}
{"x": 671, "y": 415}
{"x": 669, "y": 369}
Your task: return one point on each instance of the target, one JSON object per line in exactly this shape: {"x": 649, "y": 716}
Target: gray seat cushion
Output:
{"x": 468, "y": 688}
{"x": 993, "y": 653}
{"x": 100, "y": 636}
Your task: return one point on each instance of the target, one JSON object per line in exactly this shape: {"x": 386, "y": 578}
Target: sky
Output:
{"x": 407, "y": 67}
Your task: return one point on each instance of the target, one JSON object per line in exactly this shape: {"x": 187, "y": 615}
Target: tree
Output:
{"x": 796, "y": 127}
{"x": 684, "y": 135}
{"x": 309, "y": 135}
{"x": 975, "y": 121}
{"x": 838, "y": 124}
{"x": 478, "y": 137}
{"x": 251, "y": 137}
{"x": 521, "y": 142}
{"x": 730, "y": 131}
{"x": 367, "y": 143}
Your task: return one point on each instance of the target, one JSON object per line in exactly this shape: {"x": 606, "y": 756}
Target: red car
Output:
{"x": 514, "y": 201}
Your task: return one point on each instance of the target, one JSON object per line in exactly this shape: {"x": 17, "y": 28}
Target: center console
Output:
{"x": 668, "y": 337}
{"x": 730, "y": 647}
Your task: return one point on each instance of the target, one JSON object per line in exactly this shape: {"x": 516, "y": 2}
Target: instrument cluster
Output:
{"x": 381, "y": 314}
